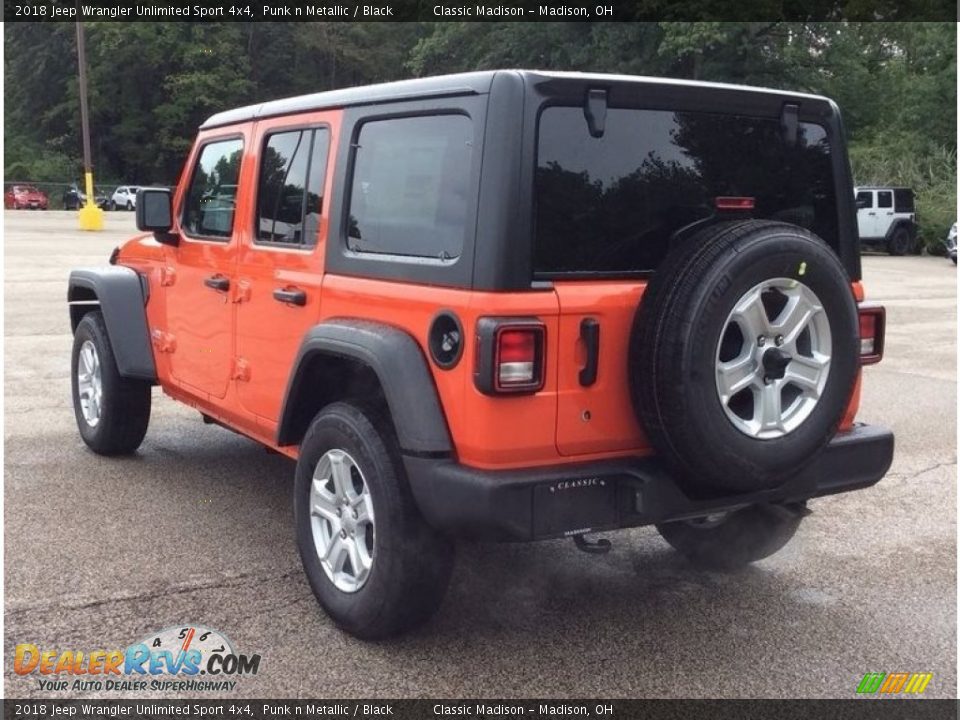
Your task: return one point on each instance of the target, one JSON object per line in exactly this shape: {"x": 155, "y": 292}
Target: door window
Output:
{"x": 864, "y": 199}
{"x": 211, "y": 200}
{"x": 884, "y": 199}
{"x": 290, "y": 190}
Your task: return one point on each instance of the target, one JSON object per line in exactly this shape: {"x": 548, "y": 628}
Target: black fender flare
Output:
{"x": 401, "y": 367}
{"x": 121, "y": 295}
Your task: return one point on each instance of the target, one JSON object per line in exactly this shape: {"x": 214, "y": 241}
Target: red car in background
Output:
{"x": 24, "y": 196}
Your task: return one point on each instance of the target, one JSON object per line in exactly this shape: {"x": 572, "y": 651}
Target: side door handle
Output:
{"x": 291, "y": 296}
{"x": 217, "y": 282}
{"x": 590, "y": 334}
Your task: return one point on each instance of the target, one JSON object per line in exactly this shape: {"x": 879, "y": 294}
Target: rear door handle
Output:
{"x": 590, "y": 334}
{"x": 293, "y": 296}
{"x": 217, "y": 282}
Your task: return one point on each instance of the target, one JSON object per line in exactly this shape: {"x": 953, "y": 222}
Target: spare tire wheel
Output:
{"x": 744, "y": 354}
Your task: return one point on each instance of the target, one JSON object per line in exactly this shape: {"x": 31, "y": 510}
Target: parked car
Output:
{"x": 951, "y": 243}
{"x": 25, "y": 196}
{"x": 886, "y": 218}
{"x": 124, "y": 197}
{"x": 74, "y": 198}
{"x": 507, "y": 305}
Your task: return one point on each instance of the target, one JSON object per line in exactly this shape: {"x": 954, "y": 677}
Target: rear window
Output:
{"x": 610, "y": 204}
{"x": 411, "y": 178}
{"x": 903, "y": 201}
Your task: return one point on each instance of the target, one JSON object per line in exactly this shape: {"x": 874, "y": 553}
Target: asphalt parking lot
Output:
{"x": 197, "y": 528}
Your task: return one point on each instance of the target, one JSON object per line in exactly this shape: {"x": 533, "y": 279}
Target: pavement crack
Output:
{"x": 167, "y": 590}
{"x": 923, "y": 471}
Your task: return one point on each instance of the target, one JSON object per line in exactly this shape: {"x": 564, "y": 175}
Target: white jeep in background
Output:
{"x": 886, "y": 218}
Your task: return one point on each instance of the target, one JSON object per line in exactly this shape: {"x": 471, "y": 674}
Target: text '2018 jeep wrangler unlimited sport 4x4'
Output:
{"x": 505, "y": 305}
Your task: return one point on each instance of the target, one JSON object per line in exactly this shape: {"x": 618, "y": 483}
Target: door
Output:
{"x": 884, "y": 217}
{"x": 199, "y": 277}
{"x": 280, "y": 268}
{"x": 866, "y": 213}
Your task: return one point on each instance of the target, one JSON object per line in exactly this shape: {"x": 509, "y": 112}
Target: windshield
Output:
{"x": 610, "y": 204}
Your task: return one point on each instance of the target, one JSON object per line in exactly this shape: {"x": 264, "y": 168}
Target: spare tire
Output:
{"x": 744, "y": 354}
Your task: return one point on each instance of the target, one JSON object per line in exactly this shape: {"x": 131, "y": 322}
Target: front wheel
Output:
{"x": 730, "y": 540}
{"x": 129, "y": 205}
{"x": 371, "y": 560}
{"x": 112, "y": 411}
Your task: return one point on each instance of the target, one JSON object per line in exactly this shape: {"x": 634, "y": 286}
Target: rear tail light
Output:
{"x": 516, "y": 357}
{"x": 733, "y": 203}
{"x": 510, "y": 355}
{"x": 873, "y": 321}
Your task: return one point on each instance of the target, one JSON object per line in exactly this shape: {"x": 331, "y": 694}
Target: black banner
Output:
{"x": 863, "y": 709}
{"x": 484, "y": 11}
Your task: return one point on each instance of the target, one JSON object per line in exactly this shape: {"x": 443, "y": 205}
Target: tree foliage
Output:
{"x": 151, "y": 84}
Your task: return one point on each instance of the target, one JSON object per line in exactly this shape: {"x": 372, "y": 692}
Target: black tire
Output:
{"x": 125, "y": 402}
{"x": 736, "y": 539}
{"x": 129, "y": 205}
{"x": 674, "y": 344}
{"x": 111, "y": 205}
{"x": 900, "y": 242}
{"x": 411, "y": 563}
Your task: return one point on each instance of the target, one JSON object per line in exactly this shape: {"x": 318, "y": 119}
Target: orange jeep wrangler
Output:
{"x": 503, "y": 305}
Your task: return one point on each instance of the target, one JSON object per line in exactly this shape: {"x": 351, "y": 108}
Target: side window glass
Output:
{"x": 290, "y": 192}
{"x": 313, "y": 209}
{"x": 864, "y": 199}
{"x": 885, "y": 199}
{"x": 211, "y": 200}
{"x": 283, "y": 179}
{"x": 410, "y": 192}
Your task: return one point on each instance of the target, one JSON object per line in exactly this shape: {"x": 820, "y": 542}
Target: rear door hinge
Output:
{"x": 241, "y": 370}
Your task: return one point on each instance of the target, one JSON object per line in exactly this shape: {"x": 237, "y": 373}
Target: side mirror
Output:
{"x": 155, "y": 214}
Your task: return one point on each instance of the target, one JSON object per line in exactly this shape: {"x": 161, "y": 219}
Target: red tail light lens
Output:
{"x": 873, "y": 320}
{"x": 734, "y": 203}
{"x": 516, "y": 357}
{"x": 510, "y": 355}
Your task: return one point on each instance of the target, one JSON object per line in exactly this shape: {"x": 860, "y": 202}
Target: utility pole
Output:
{"x": 91, "y": 217}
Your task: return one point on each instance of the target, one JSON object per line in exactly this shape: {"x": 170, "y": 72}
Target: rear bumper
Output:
{"x": 550, "y": 502}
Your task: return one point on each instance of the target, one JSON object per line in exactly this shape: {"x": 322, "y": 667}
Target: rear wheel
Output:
{"x": 726, "y": 541}
{"x": 371, "y": 560}
{"x": 899, "y": 242}
{"x": 112, "y": 412}
{"x": 129, "y": 205}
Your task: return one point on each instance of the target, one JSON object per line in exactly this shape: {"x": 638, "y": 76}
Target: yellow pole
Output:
{"x": 91, "y": 217}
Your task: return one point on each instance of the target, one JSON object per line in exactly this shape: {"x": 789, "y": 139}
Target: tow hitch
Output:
{"x": 600, "y": 547}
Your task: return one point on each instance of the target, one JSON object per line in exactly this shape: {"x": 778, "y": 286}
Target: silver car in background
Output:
{"x": 951, "y": 243}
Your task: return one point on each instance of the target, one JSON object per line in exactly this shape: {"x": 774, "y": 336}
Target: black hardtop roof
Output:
{"x": 473, "y": 83}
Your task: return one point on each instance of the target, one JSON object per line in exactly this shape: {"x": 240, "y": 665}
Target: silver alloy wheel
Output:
{"x": 341, "y": 520}
{"x": 773, "y": 358}
{"x": 89, "y": 383}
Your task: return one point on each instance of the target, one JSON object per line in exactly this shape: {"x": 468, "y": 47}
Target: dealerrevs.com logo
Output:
{"x": 186, "y": 658}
